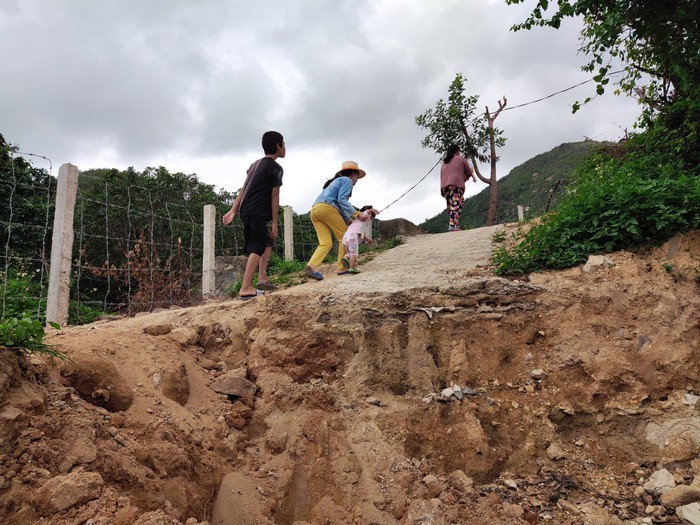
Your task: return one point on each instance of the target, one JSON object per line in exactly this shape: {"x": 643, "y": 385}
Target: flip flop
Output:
{"x": 314, "y": 275}
{"x": 343, "y": 272}
{"x": 267, "y": 286}
{"x": 250, "y": 296}
{"x": 346, "y": 262}
{"x": 353, "y": 271}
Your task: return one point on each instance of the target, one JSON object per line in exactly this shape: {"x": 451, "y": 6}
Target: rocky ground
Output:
{"x": 422, "y": 391}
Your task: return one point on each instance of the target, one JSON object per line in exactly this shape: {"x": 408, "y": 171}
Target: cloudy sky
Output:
{"x": 193, "y": 85}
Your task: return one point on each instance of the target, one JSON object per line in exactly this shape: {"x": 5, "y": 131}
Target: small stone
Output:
{"x": 690, "y": 399}
{"x": 461, "y": 482}
{"x": 373, "y": 401}
{"x": 555, "y": 452}
{"x": 690, "y": 513}
{"x": 680, "y": 496}
{"x": 447, "y": 392}
{"x": 579, "y": 443}
{"x": 597, "y": 262}
{"x": 659, "y": 482}
{"x": 433, "y": 484}
{"x": 639, "y": 491}
{"x": 511, "y": 484}
{"x": 538, "y": 374}
{"x": 569, "y": 507}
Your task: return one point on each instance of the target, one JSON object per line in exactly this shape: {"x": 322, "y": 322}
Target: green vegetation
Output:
{"x": 649, "y": 188}
{"x": 26, "y": 334}
{"x": 537, "y": 184}
{"x": 637, "y": 194}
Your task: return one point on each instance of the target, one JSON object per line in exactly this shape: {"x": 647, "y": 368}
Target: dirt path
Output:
{"x": 424, "y": 261}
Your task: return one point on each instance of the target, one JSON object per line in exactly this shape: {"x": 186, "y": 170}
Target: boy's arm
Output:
{"x": 275, "y": 211}
{"x": 228, "y": 218}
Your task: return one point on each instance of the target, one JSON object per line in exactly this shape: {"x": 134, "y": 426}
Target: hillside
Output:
{"x": 531, "y": 184}
{"x": 422, "y": 391}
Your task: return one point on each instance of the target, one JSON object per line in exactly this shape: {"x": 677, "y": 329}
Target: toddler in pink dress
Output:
{"x": 358, "y": 231}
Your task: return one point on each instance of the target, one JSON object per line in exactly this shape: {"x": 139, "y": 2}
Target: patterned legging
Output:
{"x": 454, "y": 197}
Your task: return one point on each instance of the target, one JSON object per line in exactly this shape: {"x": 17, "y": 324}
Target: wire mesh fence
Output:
{"x": 27, "y": 194}
{"x": 138, "y": 239}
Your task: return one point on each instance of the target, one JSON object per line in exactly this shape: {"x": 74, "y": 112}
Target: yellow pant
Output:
{"x": 327, "y": 218}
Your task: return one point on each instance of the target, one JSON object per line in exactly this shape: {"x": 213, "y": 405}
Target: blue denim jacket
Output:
{"x": 336, "y": 194}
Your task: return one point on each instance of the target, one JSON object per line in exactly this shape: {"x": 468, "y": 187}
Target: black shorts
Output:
{"x": 256, "y": 234}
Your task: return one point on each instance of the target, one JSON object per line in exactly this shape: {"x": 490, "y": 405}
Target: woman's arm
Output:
{"x": 346, "y": 209}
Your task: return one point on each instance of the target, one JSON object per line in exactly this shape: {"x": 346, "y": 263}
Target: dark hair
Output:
{"x": 368, "y": 207}
{"x": 270, "y": 140}
{"x": 452, "y": 149}
{"x": 342, "y": 173}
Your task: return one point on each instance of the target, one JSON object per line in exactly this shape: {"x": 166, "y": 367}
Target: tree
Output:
{"x": 457, "y": 122}
{"x": 26, "y": 203}
{"x": 654, "y": 40}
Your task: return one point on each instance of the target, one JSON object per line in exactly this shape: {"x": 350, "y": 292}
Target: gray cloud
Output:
{"x": 150, "y": 80}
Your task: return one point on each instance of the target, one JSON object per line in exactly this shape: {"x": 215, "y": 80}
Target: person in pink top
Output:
{"x": 355, "y": 234}
{"x": 454, "y": 173}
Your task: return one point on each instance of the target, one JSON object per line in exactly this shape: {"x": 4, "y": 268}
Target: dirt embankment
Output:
{"x": 421, "y": 391}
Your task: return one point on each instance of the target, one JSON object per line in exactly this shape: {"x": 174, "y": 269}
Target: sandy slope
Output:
{"x": 322, "y": 403}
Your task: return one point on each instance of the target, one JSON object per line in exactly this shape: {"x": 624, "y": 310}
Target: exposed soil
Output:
{"x": 332, "y": 402}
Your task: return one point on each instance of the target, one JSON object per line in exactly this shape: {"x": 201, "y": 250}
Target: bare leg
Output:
{"x": 262, "y": 265}
{"x": 353, "y": 261}
{"x": 250, "y": 267}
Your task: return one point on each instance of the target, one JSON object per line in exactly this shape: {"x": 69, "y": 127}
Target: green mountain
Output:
{"x": 537, "y": 184}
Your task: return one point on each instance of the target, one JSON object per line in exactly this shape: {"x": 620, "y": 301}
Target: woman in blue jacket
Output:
{"x": 331, "y": 213}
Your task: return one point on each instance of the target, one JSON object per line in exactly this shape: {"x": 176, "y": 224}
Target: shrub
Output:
{"x": 623, "y": 198}
{"x": 26, "y": 333}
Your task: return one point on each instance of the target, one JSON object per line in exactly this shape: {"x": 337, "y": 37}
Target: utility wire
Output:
{"x": 506, "y": 109}
{"x": 409, "y": 189}
{"x": 559, "y": 92}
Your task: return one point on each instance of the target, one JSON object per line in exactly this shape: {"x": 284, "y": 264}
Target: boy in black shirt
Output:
{"x": 258, "y": 202}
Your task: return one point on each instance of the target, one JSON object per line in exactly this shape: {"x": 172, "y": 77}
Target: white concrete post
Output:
{"x": 521, "y": 213}
{"x": 62, "y": 245}
{"x": 209, "y": 254}
{"x": 288, "y": 232}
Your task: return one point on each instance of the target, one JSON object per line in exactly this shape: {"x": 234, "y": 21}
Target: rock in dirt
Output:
{"x": 99, "y": 382}
{"x": 236, "y": 386}
{"x": 185, "y": 336}
{"x": 238, "y": 503}
{"x": 680, "y": 495}
{"x": 63, "y": 492}
{"x": 660, "y": 482}
{"x": 158, "y": 329}
{"x": 176, "y": 385}
{"x": 555, "y": 452}
{"x": 538, "y": 374}
{"x": 459, "y": 481}
{"x": 433, "y": 484}
{"x": 678, "y": 438}
{"x": 689, "y": 513}
{"x": 597, "y": 262}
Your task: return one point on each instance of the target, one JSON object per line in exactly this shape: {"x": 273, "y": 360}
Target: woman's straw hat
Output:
{"x": 352, "y": 165}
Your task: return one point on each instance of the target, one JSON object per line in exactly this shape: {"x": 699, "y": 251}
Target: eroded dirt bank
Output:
{"x": 334, "y": 402}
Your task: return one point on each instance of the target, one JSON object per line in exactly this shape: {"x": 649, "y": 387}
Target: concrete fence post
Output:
{"x": 208, "y": 252}
{"x": 58, "y": 297}
{"x": 288, "y": 233}
{"x": 521, "y": 213}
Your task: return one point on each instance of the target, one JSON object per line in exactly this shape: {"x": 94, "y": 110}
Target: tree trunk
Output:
{"x": 493, "y": 183}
